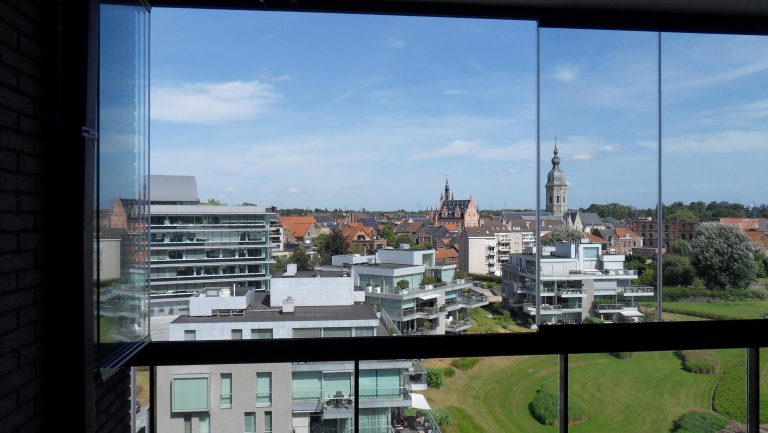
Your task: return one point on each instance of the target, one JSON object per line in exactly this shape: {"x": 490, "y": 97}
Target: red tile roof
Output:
{"x": 626, "y": 233}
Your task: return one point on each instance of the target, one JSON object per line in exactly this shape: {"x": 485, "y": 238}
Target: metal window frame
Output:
{"x": 718, "y": 16}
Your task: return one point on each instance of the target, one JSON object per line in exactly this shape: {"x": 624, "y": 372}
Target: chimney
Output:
{"x": 288, "y": 305}
{"x": 290, "y": 270}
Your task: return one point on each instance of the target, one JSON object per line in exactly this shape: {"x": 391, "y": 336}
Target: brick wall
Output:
{"x": 26, "y": 101}
{"x": 41, "y": 385}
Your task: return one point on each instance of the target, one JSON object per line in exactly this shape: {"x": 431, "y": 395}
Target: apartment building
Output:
{"x": 484, "y": 249}
{"x": 420, "y": 296}
{"x": 298, "y": 397}
{"x": 576, "y": 282}
{"x": 194, "y": 246}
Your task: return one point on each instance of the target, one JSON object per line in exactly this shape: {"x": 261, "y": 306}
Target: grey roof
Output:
{"x": 591, "y": 219}
{"x": 201, "y": 209}
{"x": 180, "y": 189}
{"x": 508, "y": 215}
{"x": 369, "y": 222}
{"x": 524, "y": 225}
{"x": 312, "y": 274}
{"x": 451, "y": 206}
{"x": 383, "y": 265}
{"x": 260, "y": 311}
{"x": 433, "y": 231}
{"x": 485, "y": 230}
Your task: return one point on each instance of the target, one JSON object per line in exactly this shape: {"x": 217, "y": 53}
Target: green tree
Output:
{"x": 404, "y": 239}
{"x": 388, "y": 233}
{"x": 402, "y": 284}
{"x": 722, "y": 256}
{"x": 329, "y": 245}
{"x": 278, "y": 266}
{"x": 647, "y": 277}
{"x": 563, "y": 234}
{"x": 301, "y": 259}
{"x": 677, "y": 271}
{"x": 680, "y": 248}
{"x": 761, "y": 265}
{"x": 214, "y": 202}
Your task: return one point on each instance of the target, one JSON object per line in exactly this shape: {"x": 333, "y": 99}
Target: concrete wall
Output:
{"x": 406, "y": 257}
{"x": 243, "y": 397}
{"x": 310, "y": 292}
{"x": 223, "y": 330}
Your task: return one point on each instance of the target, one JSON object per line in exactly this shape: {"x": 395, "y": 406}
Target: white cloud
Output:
{"x": 294, "y": 189}
{"x": 396, "y": 43}
{"x": 284, "y": 77}
{"x": 582, "y": 157}
{"x": 211, "y": 103}
{"x": 230, "y": 189}
{"x": 565, "y": 73}
{"x": 341, "y": 98}
{"x": 608, "y": 148}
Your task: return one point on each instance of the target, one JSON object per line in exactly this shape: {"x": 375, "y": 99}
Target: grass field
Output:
{"x": 647, "y": 392}
{"x": 719, "y": 310}
{"x": 496, "y": 324}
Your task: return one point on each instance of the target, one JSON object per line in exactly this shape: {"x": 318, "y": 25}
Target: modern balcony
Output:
{"x": 615, "y": 308}
{"x": 571, "y": 293}
{"x": 550, "y": 309}
{"x": 639, "y": 291}
{"x": 457, "y": 283}
{"x": 384, "y": 397}
{"x": 458, "y": 325}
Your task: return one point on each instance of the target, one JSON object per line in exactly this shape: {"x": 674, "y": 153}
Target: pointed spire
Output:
{"x": 555, "y": 159}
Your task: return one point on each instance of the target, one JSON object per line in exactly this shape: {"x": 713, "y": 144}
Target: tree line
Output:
{"x": 693, "y": 211}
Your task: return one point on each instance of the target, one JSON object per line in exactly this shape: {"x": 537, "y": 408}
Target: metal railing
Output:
{"x": 385, "y": 393}
{"x": 458, "y": 323}
{"x": 390, "y": 323}
{"x": 613, "y": 307}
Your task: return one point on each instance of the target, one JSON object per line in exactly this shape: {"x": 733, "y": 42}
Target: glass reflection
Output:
{"x": 715, "y": 130}
{"x": 598, "y": 149}
{"x": 122, "y": 250}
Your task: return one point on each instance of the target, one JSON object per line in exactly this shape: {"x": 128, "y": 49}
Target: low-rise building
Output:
{"x": 674, "y": 229}
{"x": 484, "y": 249}
{"x": 286, "y": 397}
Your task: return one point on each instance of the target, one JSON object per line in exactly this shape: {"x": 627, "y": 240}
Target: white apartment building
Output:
{"x": 484, "y": 249}
{"x": 285, "y": 397}
{"x": 576, "y": 282}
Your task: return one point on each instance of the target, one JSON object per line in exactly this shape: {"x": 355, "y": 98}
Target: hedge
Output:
{"x": 464, "y": 363}
{"x": 699, "y": 422}
{"x": 544, "y": 408}
{"x": 699, "y": 361}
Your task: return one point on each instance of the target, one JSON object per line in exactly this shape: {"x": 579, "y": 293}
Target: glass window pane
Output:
{"x": 307, "y": 333}
{"x": 250, "y": 422}
{"x": 364, "y": 332}
{"x": 307, "y": 385}
{"x": 205, "y": 423}
{"x": 598, "y": 167}
{"x": 267, "y": 422}
{"x": 261, "y": 334}
{"x": 121, "y": 217}
{"x": 226, "y": 390}
{"x": 264, "y": 388}
{"x": 190, "y": 393}
{"x": 337, "y": 384}
{"x": 337, "y": 332}
{"x": 715, "y": 130}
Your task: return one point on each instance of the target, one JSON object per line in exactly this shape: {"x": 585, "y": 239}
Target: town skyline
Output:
{"x": 303, "y": 118}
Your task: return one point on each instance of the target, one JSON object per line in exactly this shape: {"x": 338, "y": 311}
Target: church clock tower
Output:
{"x": 557, "y": 202}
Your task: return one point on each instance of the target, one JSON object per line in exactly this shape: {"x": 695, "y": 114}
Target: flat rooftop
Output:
{"x": 383, "y": 265}
{"x": 313, "y": 274}
{"x": 260, "y": 311}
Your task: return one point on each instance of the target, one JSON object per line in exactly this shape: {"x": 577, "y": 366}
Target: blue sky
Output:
{"x": 355, "y": 111}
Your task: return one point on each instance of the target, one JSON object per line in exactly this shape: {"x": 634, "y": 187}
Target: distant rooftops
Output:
{"x": 173, "y": 189}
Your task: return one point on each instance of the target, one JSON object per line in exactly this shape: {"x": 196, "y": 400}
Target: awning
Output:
{"x": 426, "y": 297}
{"x": 419, "y": 402}
{"x": 631, "y": 313}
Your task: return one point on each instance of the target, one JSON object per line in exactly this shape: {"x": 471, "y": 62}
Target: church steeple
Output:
{"x": 556, "y": 187}
{"x": 447, "y": 190}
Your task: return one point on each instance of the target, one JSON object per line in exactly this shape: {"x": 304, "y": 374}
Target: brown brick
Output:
{"x": 8, "y": 119}
{"x": 8, "y": 283}
{"x": 14, "y": 141}
{"x": 8, "y": 76}
{"x": 8, "y": 160}
{"x": 31, "y": 87}
{"x": 8, "y": 202}
{"x": 21, "y": 415}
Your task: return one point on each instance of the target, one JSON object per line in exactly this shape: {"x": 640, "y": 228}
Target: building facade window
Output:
{"x": 204, "y": 425}
{"x": 261, "y": 334}
{"x": 225, "y": 398}
{"x": 268, "y": 422}
{"x": 264, "y": 389}
{"x": 190, "y": 393}
{"x": 250, "y": 422}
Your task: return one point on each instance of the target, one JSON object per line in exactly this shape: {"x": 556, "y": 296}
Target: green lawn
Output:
{"x": 647, "y": 392}
{"x": 496, "y": 324}
{"x": 719, "y": 310}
